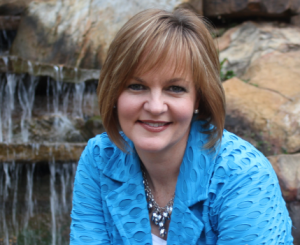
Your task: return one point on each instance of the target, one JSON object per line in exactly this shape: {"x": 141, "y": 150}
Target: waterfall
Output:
{"x": 19, "y": 107}
{"x": 34, "y": 198}
{"x": 26, "y": 95}
{"x": 39, "y": 116}
{"x": 8, "y": 104}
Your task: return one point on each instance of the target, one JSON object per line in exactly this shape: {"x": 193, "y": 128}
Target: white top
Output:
{"x": 157, "y": 240}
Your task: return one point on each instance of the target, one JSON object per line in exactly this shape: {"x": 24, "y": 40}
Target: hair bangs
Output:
{"x": 165, "y": 47}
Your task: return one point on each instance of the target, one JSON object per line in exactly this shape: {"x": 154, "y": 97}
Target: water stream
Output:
{"x": 36, "y": 198}
{"x": 21, "y": 109}
{"x": 35, "y": 203}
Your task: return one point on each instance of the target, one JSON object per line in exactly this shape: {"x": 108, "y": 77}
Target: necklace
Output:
{"x": 160, "y": 214}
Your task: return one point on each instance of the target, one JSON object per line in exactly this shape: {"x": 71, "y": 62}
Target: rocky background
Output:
{"x": 67, "y": 40}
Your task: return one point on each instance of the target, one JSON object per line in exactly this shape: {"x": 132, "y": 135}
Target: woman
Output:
{"x": 173, "y": 171}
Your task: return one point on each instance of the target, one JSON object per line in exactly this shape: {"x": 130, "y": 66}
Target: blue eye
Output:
{"x": 177, "y": 89}
{"x": 136, "y": 87}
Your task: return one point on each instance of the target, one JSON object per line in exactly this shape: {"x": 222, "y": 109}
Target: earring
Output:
{"x": 115, "y": 107}
{"x": 196, "y": 111}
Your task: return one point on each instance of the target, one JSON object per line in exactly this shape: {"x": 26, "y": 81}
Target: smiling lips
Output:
{"x": 154, "y": 126}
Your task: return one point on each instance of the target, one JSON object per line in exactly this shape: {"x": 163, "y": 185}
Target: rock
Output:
{"x": 94, "y": 125}
{"x": 60, "y": 128}
{"x": 13, "y": 7}
{"x": 245, "y": 43}
{"x": 278, "y": 72}
{"x": 9, "y": 23}
{"x": 75, "y": 33}
{"x": 267, "y": 112}
{"x": 41, "y": 152}
{"x": 62, "y": 73}
{"x": 295, "y": 20}
{"x": 294, "y": 211}
{"x": 244, "y": 8}
{"x": 287, "y": 168}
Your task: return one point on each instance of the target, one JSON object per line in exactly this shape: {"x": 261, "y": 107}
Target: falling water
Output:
{"x": 29, "y": 187}
{"x": 77, "y": 99}
{"x": 26, "y": 95}
{"x": 66, "y": 97}
{"x": 62, "y": 101}
{"x": 53, "y": 200}
{"x": 32, "y": 199}
{"x": 36, "y": 198}
{"x": 8, "y": 104}
{"x": 1, "y": 106}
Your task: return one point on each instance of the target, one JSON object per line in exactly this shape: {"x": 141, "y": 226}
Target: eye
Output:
{"x": 136, "y": 87}
{"x": 177, "y": 89}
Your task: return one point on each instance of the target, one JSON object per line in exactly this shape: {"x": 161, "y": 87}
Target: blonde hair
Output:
{"x": 158, "y": 35}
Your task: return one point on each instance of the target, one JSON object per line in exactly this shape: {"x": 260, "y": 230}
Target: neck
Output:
{"x": 162, "y": 168}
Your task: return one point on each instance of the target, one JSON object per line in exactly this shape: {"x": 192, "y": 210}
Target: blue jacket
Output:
{"x": 227, "y": 196}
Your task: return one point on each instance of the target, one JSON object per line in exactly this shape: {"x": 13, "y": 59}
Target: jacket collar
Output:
{"x": 129, "y": 199}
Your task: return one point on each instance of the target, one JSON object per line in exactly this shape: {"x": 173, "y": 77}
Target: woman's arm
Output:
{"x": 248, "y": 207}
{"x": 88, "y": 224}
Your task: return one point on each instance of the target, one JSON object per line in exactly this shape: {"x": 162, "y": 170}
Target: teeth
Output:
{"x": 155, "y": 124}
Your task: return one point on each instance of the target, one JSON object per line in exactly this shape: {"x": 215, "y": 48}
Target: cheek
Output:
{"x": 184, "y": 111}
{"x": 127, "y": 107}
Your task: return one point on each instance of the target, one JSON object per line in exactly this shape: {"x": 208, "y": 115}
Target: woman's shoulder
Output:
{"x": 236, "y": 155}
{"x": 101, "y": 149}
{"x": 102, "y": 140}
{"x": 244, "y": 195}
{"x": 239, "y": 166}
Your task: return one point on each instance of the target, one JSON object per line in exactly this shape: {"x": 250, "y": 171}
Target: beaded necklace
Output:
{"x": 160, "y": 214}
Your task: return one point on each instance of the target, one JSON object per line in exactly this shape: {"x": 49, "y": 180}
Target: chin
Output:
{"x": 153, "y": 147}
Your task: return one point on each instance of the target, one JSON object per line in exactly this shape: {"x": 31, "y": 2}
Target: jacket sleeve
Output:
{"x": 88, "y": 224}
{"x": 246, "y": 204}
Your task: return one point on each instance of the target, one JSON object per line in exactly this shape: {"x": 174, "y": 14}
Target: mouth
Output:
{"x": 155, "y": 126}
{"x": 154, "y": 123}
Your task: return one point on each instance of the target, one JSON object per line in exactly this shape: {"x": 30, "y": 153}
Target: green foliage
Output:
{"x": 228, "y": 74}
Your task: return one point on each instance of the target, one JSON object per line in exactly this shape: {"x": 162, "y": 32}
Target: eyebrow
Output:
{"x": 173, "y": 80}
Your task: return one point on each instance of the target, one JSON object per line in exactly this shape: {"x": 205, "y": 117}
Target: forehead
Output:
{"x": 165, "y": 72}
{"x": 171, "y": 61}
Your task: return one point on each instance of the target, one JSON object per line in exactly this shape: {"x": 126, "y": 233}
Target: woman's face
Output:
{"x": 156, "y": 108}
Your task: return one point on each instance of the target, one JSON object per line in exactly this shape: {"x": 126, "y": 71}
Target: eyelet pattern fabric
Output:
{"x": 229, "y": 195}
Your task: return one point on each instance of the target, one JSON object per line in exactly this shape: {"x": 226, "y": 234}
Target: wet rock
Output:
{"x": 94, "y": 125}
{"x": 13, "y": 7}
{"x": 63, "y": 73}
{"x": 58, "y": 128}
{"x": 75, "y": 33}
{"x": 295, "y": 20}
{"x": 41, "y": 152}
{"x": 287, "y": 168}
{"x": 246, "y": 8}
{"x": 294, "y": 211}
{"x": 245, "y": 43}
{"x": 53, "y": 128}
{"x": 9, "y": 23}
{"x": 272, "y": 115}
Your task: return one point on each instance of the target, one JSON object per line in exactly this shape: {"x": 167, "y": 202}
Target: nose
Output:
{"x": 155, "y": 103}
